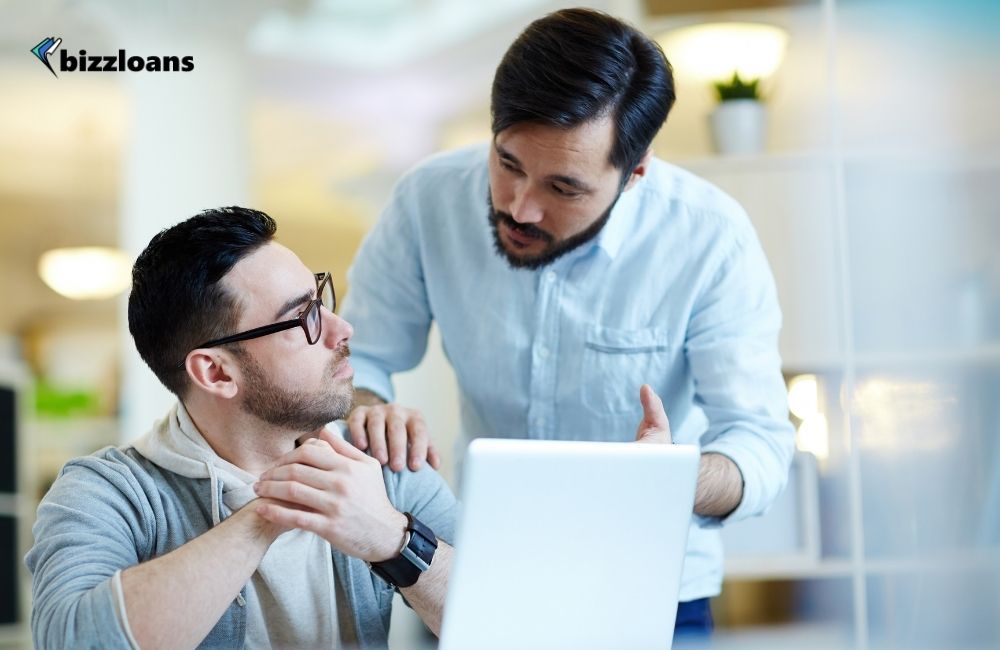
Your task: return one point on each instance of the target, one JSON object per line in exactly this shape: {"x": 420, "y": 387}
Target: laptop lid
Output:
{"x": 569, "y": 545}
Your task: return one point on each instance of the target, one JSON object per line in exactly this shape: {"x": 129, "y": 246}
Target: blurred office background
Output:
{"x": 874, "y": 191}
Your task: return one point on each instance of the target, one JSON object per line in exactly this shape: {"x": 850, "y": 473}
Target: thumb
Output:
{"x": 655, "y": 427}
{"x": 341, "y": 446}
{"x": 653, "y": 414}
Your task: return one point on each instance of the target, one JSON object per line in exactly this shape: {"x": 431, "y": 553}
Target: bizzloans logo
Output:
{"x": 121, "y": 62}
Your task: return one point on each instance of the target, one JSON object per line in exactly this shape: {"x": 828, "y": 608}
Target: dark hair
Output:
{"x": 575, "y": 65}
{"x": 177, "y": 300}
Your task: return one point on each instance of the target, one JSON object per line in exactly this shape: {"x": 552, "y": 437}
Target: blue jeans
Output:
{"x": 694, "y": 619}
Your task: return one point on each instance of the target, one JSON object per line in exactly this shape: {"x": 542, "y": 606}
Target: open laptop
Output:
{"x": 569, "y": 545}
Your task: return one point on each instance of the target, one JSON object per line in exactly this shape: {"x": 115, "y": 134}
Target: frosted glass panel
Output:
{"x": 918, "y": 95}
{"x": 924, "y": 237}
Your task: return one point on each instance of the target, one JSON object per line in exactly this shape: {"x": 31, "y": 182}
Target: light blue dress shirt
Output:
{"x": 675, "y": 291}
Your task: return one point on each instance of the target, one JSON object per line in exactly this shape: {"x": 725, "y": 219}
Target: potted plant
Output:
{"x": 739, "y": 122}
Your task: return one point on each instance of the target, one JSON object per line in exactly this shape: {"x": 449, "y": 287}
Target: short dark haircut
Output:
{"x": 576, "y": 65}
{"x": 177, "y": 300}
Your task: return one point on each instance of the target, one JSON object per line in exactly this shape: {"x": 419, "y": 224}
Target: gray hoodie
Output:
{"x": 122, "y": 506}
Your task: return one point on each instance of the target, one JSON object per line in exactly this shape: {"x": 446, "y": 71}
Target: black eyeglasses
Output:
{"x": 309, "y": 319}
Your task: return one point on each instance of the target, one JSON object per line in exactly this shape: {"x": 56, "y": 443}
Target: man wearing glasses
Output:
{"x": 239, "y": 519}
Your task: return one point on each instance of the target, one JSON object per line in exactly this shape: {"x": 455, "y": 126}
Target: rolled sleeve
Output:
{"x": 371, "y": 375}
{"x": 387, "y": 302}
{"x": 732, "y": 349}
{"x": 85, "y": 533}
{"x": 426, "y": 496}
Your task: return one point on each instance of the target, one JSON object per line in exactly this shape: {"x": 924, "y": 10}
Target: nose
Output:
{"x": 336, "y": 330}
{"x": 524, "y": 208}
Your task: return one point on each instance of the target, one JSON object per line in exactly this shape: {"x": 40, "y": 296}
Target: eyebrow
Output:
{"x": 575, "y": 183}
{"x": 293, "y": 302}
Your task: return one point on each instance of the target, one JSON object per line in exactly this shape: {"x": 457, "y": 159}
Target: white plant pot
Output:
{"x": 739, "y": 126}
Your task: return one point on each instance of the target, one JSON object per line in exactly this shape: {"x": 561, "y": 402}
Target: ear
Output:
{"x": 213, "y": 371}
{"x": 640, "y": 170}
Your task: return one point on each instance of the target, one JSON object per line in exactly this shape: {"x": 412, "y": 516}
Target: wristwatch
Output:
{"x": 415, "y": 558}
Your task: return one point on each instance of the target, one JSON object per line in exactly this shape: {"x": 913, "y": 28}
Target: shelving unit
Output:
{"x": 15, "y": 502}
{"x": 875, "y": 203}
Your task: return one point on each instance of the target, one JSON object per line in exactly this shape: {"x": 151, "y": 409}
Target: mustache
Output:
{"x": 526, "y": 229}
{"x": 343, "y": 353}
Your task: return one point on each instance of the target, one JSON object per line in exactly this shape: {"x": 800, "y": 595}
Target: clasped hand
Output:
{"x": 331, "y": 488}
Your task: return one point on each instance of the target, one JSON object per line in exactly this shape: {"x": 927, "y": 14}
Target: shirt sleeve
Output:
{"x": 387, "y": 301}
{"x": 732, "y": 348}
{"x": 425, "y": 495}
{"x": 87, "y": 530}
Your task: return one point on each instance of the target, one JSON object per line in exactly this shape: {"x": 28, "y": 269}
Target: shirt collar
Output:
{"x": 623, "y": 216}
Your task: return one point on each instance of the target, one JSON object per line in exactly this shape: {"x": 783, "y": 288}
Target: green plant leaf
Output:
{"x": 737, "y": 88}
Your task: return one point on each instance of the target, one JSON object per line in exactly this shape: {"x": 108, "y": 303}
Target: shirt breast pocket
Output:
{"x": 617, "y": 362}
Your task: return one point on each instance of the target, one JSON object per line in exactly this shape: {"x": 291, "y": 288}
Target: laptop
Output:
{"x": 569, "y": 545}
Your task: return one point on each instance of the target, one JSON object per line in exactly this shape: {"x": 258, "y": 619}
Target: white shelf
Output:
{"x": 974, "y": 355}
{"x": 982, "y": 560}
{"x": 791, "y": 366}
{"x": 14, "y": 505}
{"x": 802, "y": 568}
{"x": 785, "y": 568}
{"x": 933, "y": 160}
{"x": 779, "y": 161}
{"x": 987, "y": 356}
{"x": 753, "y": 163}
{"x": 14, "y": 637}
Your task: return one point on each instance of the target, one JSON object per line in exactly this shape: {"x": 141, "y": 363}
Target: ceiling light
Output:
{"x": 803, "y": 396}
{"x": 715, "y": 51}
{"x": 86, "y": 273}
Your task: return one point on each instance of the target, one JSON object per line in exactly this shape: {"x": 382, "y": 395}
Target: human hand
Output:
{"x": 389, "y": 429}
{"x": 654, "y": 427}
{"x": 336, "y": 491}
{"x": 265, "y": 528}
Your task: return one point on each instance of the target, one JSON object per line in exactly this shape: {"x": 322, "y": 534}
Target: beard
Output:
{"x": 554, "y": 249}
{"x": 296, "y": 410}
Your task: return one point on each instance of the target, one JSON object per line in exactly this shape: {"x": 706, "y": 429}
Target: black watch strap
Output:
{"x": 418, "y": 550}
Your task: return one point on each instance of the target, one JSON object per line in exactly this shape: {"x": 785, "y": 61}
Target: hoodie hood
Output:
{"x": 290, "y": 598}
{"x": 175, "y": 444}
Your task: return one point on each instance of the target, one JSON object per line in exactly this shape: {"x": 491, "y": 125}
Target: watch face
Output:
{"x": 404, "y": 570}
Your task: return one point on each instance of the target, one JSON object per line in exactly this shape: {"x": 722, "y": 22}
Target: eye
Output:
{"x": 313, "y": 315}
{"x": 509, "y": 166}
{"x": 569, "y": 194}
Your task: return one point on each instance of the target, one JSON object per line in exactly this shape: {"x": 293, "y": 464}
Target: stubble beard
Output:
{"x": 296, "y": 410}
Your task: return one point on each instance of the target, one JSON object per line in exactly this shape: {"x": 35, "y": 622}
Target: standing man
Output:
{"x": 565, "y": 266}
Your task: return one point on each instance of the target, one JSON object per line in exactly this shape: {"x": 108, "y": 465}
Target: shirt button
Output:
{"x": 540, "y": 422}
{"x": 543, "y": 352}
{"x": 550, "y": 277}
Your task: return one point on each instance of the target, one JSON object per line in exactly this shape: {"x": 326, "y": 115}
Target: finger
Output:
{"x": 342, "y": 447}
{"x": 396, "y": 436}
{"x": 376, "y": 435}
{"x": 306, "y": 438}
{"x": 297, "y": 455}
{"x": 305, "y": 474}
{"x": 419, "y": 443}
{"x": 432, "y": 456}
{"x": 356, "y": 425}
{"x": 293, "y": 492}
{"x": 652, "y": 407}
{"x": 313, "y": 452}
{"x": 291, "y": 517}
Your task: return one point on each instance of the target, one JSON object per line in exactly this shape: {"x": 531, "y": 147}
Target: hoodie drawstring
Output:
{"x": 214, "y": 483}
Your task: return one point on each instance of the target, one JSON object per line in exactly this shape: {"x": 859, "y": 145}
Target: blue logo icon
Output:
{"x": 45, "y": 49}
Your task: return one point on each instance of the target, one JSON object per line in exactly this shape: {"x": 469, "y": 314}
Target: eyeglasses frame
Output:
{"x": 301, "y": 320}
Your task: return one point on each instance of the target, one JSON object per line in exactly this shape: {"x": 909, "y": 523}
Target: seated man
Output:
{"x": 239, "y": 520}
{"x": 220, "y": 526}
